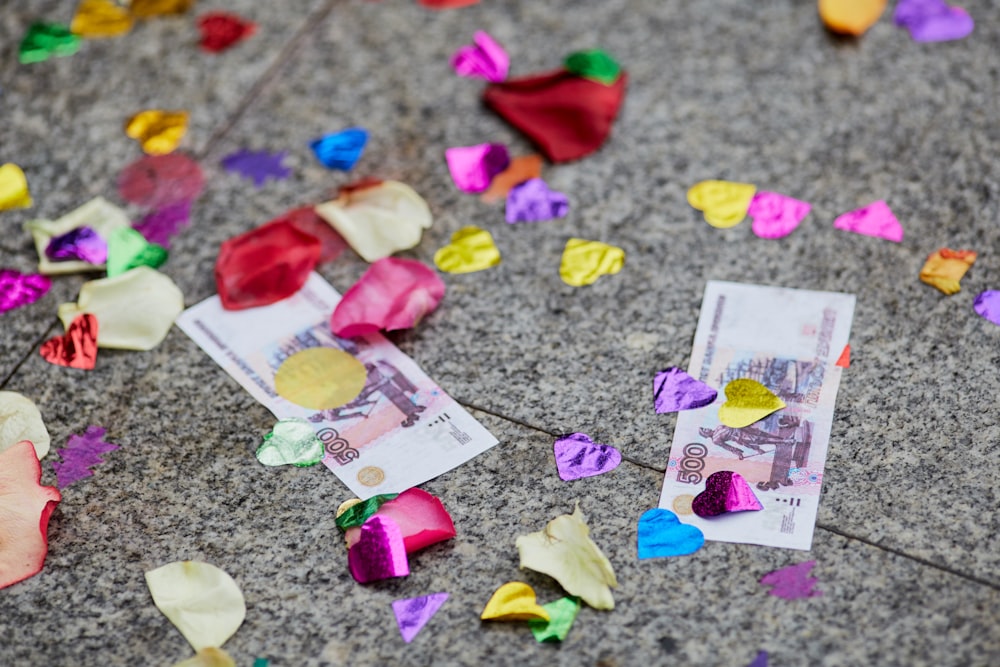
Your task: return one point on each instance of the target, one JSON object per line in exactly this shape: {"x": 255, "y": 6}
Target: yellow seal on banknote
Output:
{"x": 320, "y": 378}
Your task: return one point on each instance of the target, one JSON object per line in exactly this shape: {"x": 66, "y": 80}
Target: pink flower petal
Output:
{"x": 392, "y": 294}
{"x": 421, "y": 518}
{"x": 25, "y": 508}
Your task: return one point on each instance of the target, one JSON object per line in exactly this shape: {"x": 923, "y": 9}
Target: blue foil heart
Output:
{"x": 661, "y": 535}
{"x": 340, "y": 150}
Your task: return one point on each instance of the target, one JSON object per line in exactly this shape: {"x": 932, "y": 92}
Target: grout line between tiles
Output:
{"x": 34, "y": 345}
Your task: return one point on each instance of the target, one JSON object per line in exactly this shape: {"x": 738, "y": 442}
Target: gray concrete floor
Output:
{"x": 907, "y": 543}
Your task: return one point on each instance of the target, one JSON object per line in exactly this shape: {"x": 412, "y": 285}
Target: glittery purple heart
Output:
{"x": 987, "y": 304}
{"x": 933, "y": 20}
{"x": 675, "y": 390}
{"x": 578, "y": 456}
{"x": 533, "y": 201}
{"x": 379, "y": 553}
{"x": 82, "y": 243}
{"x": 725, "y": 491}
{"x": 18, "y": 289}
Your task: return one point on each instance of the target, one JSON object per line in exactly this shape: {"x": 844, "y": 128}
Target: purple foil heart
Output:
{"x": 162, "y": 225}
{"x": 792, "y": 582}
{"x": 675, "y": 390}
{"x": 578, "y": 456}
{"x": 987, "y": 304}
{"x": 82, "y": 243}
{"x": 379, "y": 553}
{"x": 933, "y": 20}
{"x": 533, "y": 201}
{"x": 776, "y": 215}
{"x": 725, "y": 491}
{"x": 412, "y": 614}
{"x": 18, "y": 289}
{"x": 760, "y": 660}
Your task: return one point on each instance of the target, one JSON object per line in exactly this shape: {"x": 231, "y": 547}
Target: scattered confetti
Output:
{"x": 519, "y": 170}
{"x": 776, "y": 215}
{"x": 724, "y": 203}
{"x": 566, "y": 115}
{"x": 945, "y": 268}
{"x": 157, "y": 181}
{"x": 340, "y": 150}
{"x": 578, "y": 456}
{"x": 379, "y": 552}
{"x": 378, "y": 219}
{"x": 291, "y": 441}
{"x": 45, "y": 40}
{"x": 725, "y": 492}
{"x": 473, "y": 167}
{"x": 320, "y": 378}
{"x": 136, "y": 309}
{"x": 471, "y": 249}
{"x": 760, "y": 660}
{"x": 128, "y": 249}
{"x": 595, "y": 64}
{"x": 562, "y": 613}
{"x": 792, "y": 582}
{"x": 850, "y": 17}
{"x": 25, "y": 508}
{"x": 583, "y": 262}
{"x": 747, "y": 401}
{"x": 20, "y": 420}
{"x": 483, "y": 59}
{"x": 354, "y": 512}
{"x": 100, "y": 18}
{"x": 81, "y": 453}
{"x": 202, "y": 601}
{"x": 157, "y": 131}
{"x": 150, "y": 8}
{"x": 264, "y": 265}
{"x": 675, "y": 390}
{"x": 533, "y": 201}
{"x": 77, "y": 348}
{"x": 221, "y": 30}
{"x": 412, "y": 614}
{"x": 14, "y": 191}
{"x": 160, "y": 226}
{"x": 82, "y": 243}
{"x": 421, "y": 518}
{"x": 844, "y": 360}
{"x": 987, "y": 304}
{"x": 514, "y": 601}
{"x": 208, "y": 657}
{"x": 662, "y": 535}
{"x": 392, "y": 294}
{"x": 258, "y": 166}
{"x": 876, "y": 220}
{"x": 98, "y": 214}
{"x": 21, "y": 289}
{"x": 933, "y": 20}
{"x": 565, "y": 552}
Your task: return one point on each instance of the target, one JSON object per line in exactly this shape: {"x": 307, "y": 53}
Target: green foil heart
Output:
{"x": 291, "y": 442}
{"x": 357, "y": 514}
{"x": 127, "y": 249}
{"x": 562, "y": 613}
{"x": 47, "y": 39}
{"x": 595, "y": 64}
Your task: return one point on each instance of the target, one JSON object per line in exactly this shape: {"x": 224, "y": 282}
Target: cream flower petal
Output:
{"x": 202, "y": 601}
{"x": 21, "y": 420}
{"x": 98, "y": 214}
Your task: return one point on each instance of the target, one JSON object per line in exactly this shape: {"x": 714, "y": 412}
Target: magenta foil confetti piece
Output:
{"x": 155, "y": 181}
{"x": 473, "y": 167}
{"x": 379, "y": 552}
{"x": 760, "y": 660}
{"x": 81, "y": 453}
{"x": 578, "y": 456}
{"x": 987, "y": 304}
{"x": 20, "y": 289}
{"x": 792, "y": 582}
{"x": 876, "y": 220}
{"x": 675, "y": 390}
{"x": 484, "y": 59}
{"x": 725, "y": 491}
{"x": 412, "y": 614}
{"x": 776, "y": 215}
{"x": 533, "y": 201}
{"x": 933, "y": 20}
{"x": 257, "y": 165}
{"x": 162, "y": 225}
{"x": 82, "y": 243}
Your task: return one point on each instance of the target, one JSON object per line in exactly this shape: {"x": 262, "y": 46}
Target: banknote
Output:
{"x": 788, "y": 340}
{"x": 400, "y": 431}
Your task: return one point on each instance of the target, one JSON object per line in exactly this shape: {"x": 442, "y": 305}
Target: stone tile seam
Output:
{"x": 28, "y": 352}
{"x": 830, "y": 529}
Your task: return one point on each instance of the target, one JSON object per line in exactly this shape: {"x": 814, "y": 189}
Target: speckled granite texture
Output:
{"x": 907, "y": 547}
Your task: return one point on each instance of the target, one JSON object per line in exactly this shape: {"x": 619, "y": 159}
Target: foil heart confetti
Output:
{"x": 514, "y": 601}
{"x": 519, "y": 170}
{"x": 81, "y": 453}
{"x": 583, "y": 261}
{"x": 340, "y": 150}
{"x": 413, "y": 614}
{"x": 379, "y": 553}
{"x": 850, "y": 17}
{"x": 100, "y": 18}
{"x": 421, "y": 518}
{"x": 533, "y": 201}
{"x": 483, "y": 59}
{"x": 150, "y": 8}
{"x": 725, "y": 491}
{"x": 792, "y": 582}
{"x": 77, "y": 348}
{"x": 157, "y": 131}
{"x": 14, "y": 191}
{"x": 987, "y": 305}
{"x": 595, "y": 64}
{"x": 98, "y": 214}
{"x": 83, "y": 244}
{"x": 776, "y": 215}
{"x": 562, "y": 614}
{"x": 128, "y": 248}
{"x": 471, "y": 249}
{"x": 944, "y": 269}
{"x": 747, "y": 401}
{"x": 578, "y": 456}
{"x": 844, "y": 360}
{"x": 21, "y": 289}
{"x": 45, "y": 40}
{"x": 675, "y": 390}
{"x": 662, "y": 535}
{"x": 222, "y": 30}
{"x": 292, "y": 441}
{"x": 876, "y": 220}
{"x": 723, "y": 203}
{"x": 472, "y": 168}
{"x": 162, "y": 225}
{"x": 933, "y": 20}
{"x": 258, "y": 166}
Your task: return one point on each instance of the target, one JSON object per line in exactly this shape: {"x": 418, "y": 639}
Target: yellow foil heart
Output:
{"x": 945, "y": 268}
{"x": 583, "y": 262}
{"x": 514, "y": 601}
{"x": 13, "y": 188}
{"x": 471, "y": 249}
{"x": 147, "y": 8}
{"x": 747, "y": 401}
{"x": 158, "y": 132}
{"x": 100, "y": 18}
{"x": 724, "y": 203}
{"x": 850, "y": 17}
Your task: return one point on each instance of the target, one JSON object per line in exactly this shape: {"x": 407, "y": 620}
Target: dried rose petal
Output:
{"x": 25, "y": 508}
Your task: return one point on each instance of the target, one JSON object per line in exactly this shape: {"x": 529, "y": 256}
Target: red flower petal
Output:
{"x": 25, "y": 508}
{"x": 421, "y": 518}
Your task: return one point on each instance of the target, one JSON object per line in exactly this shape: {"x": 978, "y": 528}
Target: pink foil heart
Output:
{"x": 392, "y": 294}
{"x": 473, "y": 167}
{"x": 578, "y": 456}
{"x": 725, "y": 491}
{"x": 485, "y": 59}
{"x": 83, "y": 244}
{"x": 776, "y": 215}
{"x": 379, "y": 553}
{"x": 675, "y": 390}
{"x": 876, "y": 220}
{"x": 20, "y": 289}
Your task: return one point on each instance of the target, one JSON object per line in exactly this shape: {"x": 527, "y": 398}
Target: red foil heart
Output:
{"x": 566, "y": 115}
{"x": 220, "y": 30}
{"x": 77, "y": 348}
